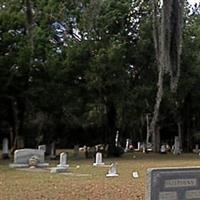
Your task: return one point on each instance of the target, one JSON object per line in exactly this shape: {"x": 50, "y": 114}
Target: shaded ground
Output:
{"x": 25, "y": 185}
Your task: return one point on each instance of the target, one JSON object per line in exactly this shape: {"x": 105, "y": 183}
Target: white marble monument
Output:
{"x": 22, "y": 158}
{"x": 112, "y": 172}
{"x": 98, "y": 160}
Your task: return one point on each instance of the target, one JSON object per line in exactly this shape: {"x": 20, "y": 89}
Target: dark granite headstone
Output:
{"x": 173, "y": 184}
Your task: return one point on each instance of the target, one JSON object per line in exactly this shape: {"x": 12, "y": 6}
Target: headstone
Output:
{"x": 117, "y": 139}
{"x": 23, "y": 156}
{"x": 5, "y": 152}
{"x": 138, "y": 146}
{"x": 163, "y": 149}
{"x": 53, "y": 151}
{"x": 143, "y": 149}
{"x": 42, "y": 147}
{"x": 173, "y": 184}
{"x": 112, "y": 172}
{"x": 176, "y": 149}
{"x": 63, "y": 160}
{"x": 98, "y": 160}
{"x": 128, "y": 141}
{"x": 63, "y": 166}
{"x": 135, "y": 175}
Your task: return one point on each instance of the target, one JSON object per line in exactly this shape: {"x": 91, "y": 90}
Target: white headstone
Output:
{"x": 112, "y": 172}
{"x": 143, "y": 149}
{"x": 63, "y": 160}
{"x": 63, "y": 166}
{"x": 98, "y": 160}
{"x": 5, "y": 152}
{"x": 163, "y": 149}
{"x": 135, "y": 175}
{"x": 127, "y": 145}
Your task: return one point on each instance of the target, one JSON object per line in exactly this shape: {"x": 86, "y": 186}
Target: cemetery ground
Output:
{"x": 86, "y": 182}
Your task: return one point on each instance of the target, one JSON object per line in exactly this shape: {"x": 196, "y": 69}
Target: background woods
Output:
{"x": 78, "y": 71}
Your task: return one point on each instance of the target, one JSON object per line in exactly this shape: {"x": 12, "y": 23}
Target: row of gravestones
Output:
{"x": 162, "y": 183}
{"x": 36, "y": 158}
{"x": 5, "y": 152}
{"x": 5, "y": 149}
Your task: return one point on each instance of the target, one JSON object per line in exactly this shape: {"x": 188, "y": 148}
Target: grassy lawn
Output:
{"x": 25, "y": 185}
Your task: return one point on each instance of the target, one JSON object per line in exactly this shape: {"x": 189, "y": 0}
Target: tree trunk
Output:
{"x": 167, "y": 33}
{"x": 14, "y": 131}
{"x": 159, "y": 57}
{"x": 153, "y": 125}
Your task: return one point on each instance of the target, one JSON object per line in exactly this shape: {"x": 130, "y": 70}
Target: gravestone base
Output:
{"x": 62, "y": 166}
{"x": 15, "y": 165}
{"x": 98, "y": 164}
{"x": 59, "y": 169}
{"x": 112, "y": 175}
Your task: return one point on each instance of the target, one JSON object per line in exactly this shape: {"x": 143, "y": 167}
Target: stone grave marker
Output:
{"x": 135, "y": 174}
{"x": 63, "y": 160}
{"x": 112, "y": 172}
{"x": 173, "y": 183}
{"x": 63, "y": 166}
{"x": 5, "y": 150}
{"x": 176, "y": 149}
{"x": 22, "y": 158}
{"x": 128, "y": 142}
{"x": 98, "y": 160}
{"x": 138, "y": 146}
{"x": 42, "y": 147}
{"x": 117, "y": 139}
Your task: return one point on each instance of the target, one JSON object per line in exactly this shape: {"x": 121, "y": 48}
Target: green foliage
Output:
{"x": 98, "y": 77}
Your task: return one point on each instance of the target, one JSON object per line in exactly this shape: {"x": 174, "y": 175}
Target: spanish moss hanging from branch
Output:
{"x": 167, "y": 31}
{"x": 171, "y": 41}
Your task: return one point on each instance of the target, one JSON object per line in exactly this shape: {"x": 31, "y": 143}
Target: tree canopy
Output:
{"x": 78, "y": 71}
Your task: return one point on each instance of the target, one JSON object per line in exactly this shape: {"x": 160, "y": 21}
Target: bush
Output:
{"x": 115, "y": 151}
